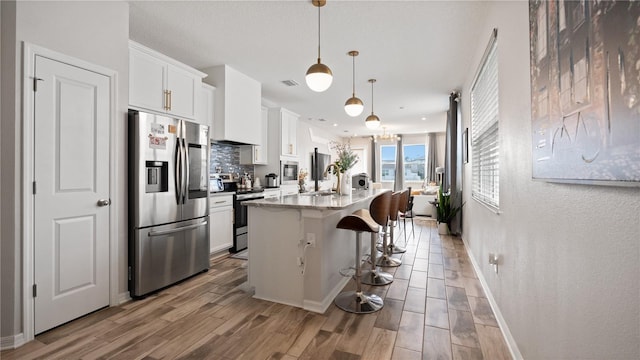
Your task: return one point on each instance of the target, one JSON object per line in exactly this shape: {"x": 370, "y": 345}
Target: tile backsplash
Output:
{"x": 227, "y": 157}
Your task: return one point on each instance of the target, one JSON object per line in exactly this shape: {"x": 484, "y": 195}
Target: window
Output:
{"x": 414, "y": 162}
{"x": 387, "y": 162}
{"x": 485, "y": 130}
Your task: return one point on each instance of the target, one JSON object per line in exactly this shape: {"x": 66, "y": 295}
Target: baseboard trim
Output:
{"x": 321, "y": 307}
{"x": 511, "y": 342}
{"x": 123, "y": 298}
{"x": 12, "y": 342}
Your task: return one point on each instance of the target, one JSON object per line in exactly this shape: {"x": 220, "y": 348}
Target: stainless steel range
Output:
{"x": 240, "y": 228}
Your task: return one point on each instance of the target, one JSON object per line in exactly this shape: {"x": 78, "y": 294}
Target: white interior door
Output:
{"x": 71, "y": 224}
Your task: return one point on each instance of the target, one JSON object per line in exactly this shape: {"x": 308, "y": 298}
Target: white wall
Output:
{"x": 568, "y": 281}
{"x": 96, "y": 32}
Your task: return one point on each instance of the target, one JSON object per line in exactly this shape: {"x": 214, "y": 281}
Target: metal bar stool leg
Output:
{"x": 386, "y": 260}
{"x": 375, "y": 276}
{"x": 357, "y": 301}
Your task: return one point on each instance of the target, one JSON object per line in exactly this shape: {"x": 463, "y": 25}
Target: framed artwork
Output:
{"x": 585, "y": 91}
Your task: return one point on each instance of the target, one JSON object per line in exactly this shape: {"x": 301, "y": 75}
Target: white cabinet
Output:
{"x": 237, "y": 106}
{"x": 257, "y": 154}
{"x": 221, "y": 222}
{"x": 287, "y": 190}
{"x": 271, "y": 193}
{"x": 205, "y": 109}
{"x": 288, "y": 124}
{"x": 162, "y": 84}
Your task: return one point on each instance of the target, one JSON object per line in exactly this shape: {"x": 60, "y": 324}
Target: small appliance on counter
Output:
{"x": 360, "y": 181}
{"x": 271, "y": 181}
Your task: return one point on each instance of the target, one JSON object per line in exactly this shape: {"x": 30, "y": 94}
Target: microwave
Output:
{"x": 289, "y": 172}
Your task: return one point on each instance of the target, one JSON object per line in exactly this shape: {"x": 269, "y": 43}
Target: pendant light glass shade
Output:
{"x": 319, "y": 76}
{"x": 372, "y": 121}
{"x": 353, "y": 107}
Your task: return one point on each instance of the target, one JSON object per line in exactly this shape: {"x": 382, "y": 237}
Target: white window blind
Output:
{"x": 485, "y": 130}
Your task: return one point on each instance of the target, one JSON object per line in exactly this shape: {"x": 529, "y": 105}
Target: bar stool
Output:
{"x": 378, "y": 212}
{"x": 386, "y": 260}
{"x": 403, "y": 202}
{"x": 357, "y": 301}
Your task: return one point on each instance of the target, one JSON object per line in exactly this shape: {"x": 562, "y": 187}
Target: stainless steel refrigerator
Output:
{"x": 168, "y": 201}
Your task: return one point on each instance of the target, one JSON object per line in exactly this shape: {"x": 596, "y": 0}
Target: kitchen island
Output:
{"x": 295, "y": 250}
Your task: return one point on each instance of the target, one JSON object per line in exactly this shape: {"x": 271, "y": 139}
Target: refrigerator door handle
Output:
{"x": 182, "y": 228}
{"x": 178, "y": 172}
{"x": 186, "y": 172}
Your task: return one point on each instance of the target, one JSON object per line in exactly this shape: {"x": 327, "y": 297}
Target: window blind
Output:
{"x": 485, "y": 130}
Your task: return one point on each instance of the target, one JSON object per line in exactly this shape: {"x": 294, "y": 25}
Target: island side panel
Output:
{"x": 334, "y": 250}
{"x": 275, "y": 243}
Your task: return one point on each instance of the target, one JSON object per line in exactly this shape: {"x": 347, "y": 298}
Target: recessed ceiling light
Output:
{"x": 423, "y": 118}
{"x": 334, "y": 124}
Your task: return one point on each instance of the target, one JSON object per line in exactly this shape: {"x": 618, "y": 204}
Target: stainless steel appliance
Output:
{"x": 271, "y": 181}
{"x": 241, "y": 218}
{"x": 288, "y": 172}
{"x": 360, "y": 181}
{"x": 168, "y": 201}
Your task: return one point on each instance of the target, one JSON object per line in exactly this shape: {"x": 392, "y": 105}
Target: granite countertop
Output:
{"x": 314, "y": 202}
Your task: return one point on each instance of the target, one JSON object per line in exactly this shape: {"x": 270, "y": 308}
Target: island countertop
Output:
{"x": 317, "y": 202}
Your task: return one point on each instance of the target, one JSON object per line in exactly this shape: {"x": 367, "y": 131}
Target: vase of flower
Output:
{"x": 346, "y": 160}
{"x": 345, "y": 183}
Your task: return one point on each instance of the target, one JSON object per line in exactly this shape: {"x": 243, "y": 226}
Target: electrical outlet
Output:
{"x": 311, "y": 239}
{"x": 494, "y": 259}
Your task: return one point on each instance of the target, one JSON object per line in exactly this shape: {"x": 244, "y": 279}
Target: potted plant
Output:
{"x": 445, "y": 211}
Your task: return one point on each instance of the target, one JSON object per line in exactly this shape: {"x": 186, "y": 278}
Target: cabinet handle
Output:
{"x": 220, "y": 202}
{"x": 169, "y": 100}
{"x": 255, "y": 154}
{"x": 291, "y": 149}
{"x": 166, "y": 100}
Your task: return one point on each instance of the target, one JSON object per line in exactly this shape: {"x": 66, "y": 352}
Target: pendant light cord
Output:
{"x": 318, "y": 34}
{"x": 354, "y": 76}
{"x": 372, "y": 97}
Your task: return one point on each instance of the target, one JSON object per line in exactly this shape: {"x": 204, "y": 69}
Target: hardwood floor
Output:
{"x": 435, "y": 309}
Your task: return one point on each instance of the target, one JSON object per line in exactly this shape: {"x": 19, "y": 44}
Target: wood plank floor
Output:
{"x": 435, "y": 309}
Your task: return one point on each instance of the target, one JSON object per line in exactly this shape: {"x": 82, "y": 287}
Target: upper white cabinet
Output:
{"x": 162, "y": 84}
{"x": 205, "y": 106}
{"x": 287, "y": 122}
{"x": 237, "y": 106}
{"x": 257, "y": 154}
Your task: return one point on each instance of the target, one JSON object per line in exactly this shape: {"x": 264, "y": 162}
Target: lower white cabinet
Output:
{"x": 221, "y": 223}
{"x": 287, "y": 190}
{"x": 271, "y": 193}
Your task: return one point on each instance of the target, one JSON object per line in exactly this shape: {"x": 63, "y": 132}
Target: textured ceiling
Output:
{"x": 419, "y": 51}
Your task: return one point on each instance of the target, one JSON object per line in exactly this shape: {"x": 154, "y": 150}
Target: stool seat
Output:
{"x": 358, "y": 223}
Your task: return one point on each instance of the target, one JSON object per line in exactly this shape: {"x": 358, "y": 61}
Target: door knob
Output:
{"x": 104, "y": 202}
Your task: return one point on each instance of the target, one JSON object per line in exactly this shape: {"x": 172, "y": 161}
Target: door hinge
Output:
{"x": 129, "y": 273}
{"x": 34, "y": 188}
{"x": 35, "y": 290}
{"x": 35, "y": 83}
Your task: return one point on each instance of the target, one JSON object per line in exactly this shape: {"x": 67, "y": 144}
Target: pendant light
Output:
{"x": 372, "y": 120}
{"x": 319, "y": 76}
{"x": 353, "y": 107}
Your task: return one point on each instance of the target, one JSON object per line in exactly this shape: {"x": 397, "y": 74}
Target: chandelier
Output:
{"x": 386, "y": 136}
